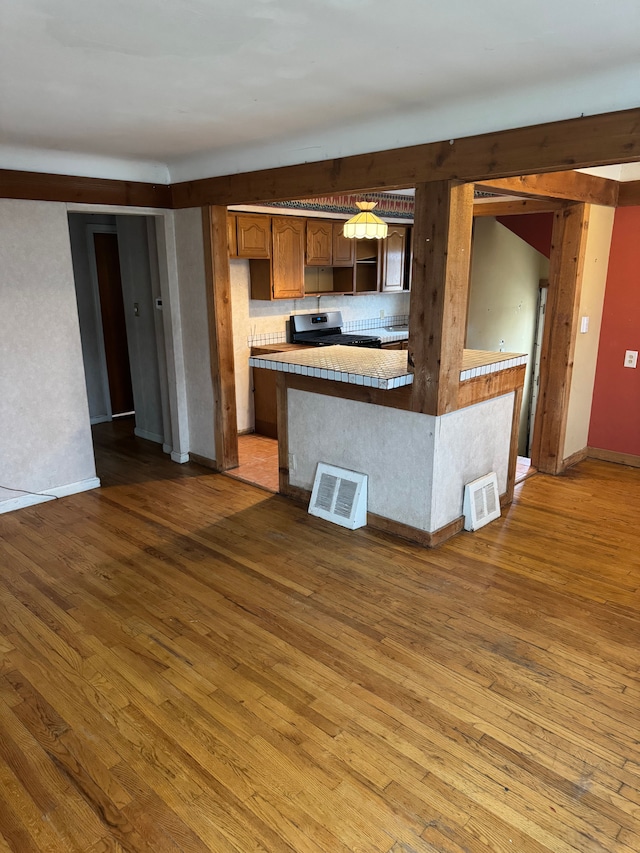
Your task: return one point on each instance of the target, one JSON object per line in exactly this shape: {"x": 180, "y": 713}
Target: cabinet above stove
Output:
{"x": 291, "y": 257}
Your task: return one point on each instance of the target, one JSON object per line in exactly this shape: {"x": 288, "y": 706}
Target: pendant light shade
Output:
{"x": 365, "y": 224}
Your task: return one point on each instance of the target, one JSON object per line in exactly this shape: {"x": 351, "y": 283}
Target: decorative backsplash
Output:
{"x": 389, "y": 205}
{"x": 347, "y": 326}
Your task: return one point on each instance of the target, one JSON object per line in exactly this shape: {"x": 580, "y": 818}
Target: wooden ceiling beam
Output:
{"x": 571, "y": 144}
{"x": 514, "y": 207}
{"x": 41, "y": 186}
{"x": 567, "y": 185}
{"x": 629, "y": 194}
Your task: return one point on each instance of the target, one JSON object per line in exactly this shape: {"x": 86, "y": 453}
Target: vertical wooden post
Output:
{"x": 439, "y": 293}
{"x": 513, "y": 446}
{"x": 568, "y": 243}
{"x": 283, "y": 433}
{"x": 218, "y": 282}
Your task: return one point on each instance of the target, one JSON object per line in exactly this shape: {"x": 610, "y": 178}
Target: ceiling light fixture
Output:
{"x": 365, "y": 224}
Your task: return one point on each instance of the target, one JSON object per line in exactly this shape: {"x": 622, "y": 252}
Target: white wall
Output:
{"x": 594, "y": 280}
{"x": 417, "y": 464}
{"x": 253, "y": 317}
{"x": 195, "y": 331}
{"x": 505, "y": 275}
{"x": 45, "y": 439}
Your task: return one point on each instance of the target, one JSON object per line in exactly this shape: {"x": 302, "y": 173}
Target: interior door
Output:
{"x": 113, "y": 322}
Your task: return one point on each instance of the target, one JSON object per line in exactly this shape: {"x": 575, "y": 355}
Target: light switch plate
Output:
{"x": 631, "y": 358}
{"x": 584, "y": 325}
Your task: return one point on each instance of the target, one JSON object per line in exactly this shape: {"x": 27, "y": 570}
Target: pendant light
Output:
{"x": 365, "y": 224}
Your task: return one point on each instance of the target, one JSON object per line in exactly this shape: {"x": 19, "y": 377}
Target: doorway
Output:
{"x": 114, "y": 332}
{"x": 119, "y": 307}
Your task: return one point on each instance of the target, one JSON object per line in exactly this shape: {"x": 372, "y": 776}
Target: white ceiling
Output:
{"x": 165, "y": 90}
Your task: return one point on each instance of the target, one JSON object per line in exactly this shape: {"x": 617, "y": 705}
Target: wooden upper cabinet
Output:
{"x": 393, "y": 259}
{"x": 287, "y": 262}
{"x": 254, "y": 236}
{"x": 319, "y": 243}
{"x": 344, "y": 248}
{"x": 232, "y": 235}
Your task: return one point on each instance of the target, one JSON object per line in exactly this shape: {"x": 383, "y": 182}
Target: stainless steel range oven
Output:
{"x": 324, "y": 329}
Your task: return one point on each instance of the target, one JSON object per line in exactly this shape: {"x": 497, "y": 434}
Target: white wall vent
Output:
{"x": 481, "y": 502}
{"x": 340, "y": 496}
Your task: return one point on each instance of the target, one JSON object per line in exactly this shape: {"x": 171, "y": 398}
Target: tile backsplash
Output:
{"x": 347, "y": 326}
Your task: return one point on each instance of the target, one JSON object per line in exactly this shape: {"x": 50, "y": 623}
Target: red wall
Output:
{"x": 534, "y": 228}
{"x": 615, "y": 413}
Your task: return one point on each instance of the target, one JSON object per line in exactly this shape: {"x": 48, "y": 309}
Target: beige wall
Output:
{"x": 417, "y": 464}
{"x": 503, "y": 301}
{"x": 45, "y": 438}
{"x": 586, "y": 350}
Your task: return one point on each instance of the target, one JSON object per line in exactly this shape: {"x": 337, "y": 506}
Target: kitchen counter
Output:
{"x": 374, "y": 368}
{"x": 387, "y": 334}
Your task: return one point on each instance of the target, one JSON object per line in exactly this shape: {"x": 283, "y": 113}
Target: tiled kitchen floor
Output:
{"x": 258, "y": 457}
{"x": 524, "y": 469}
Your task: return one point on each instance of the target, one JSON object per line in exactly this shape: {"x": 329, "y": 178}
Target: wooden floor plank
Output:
{"x": 188, "y": 663}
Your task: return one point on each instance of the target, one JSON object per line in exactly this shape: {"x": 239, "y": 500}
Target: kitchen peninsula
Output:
{"x": 352, "y": 407}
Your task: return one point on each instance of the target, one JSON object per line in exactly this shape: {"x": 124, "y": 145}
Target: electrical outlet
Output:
{"x": 631, "y": 358}
{"x": 292, "y": 462}
{"x": 382, "y": 313}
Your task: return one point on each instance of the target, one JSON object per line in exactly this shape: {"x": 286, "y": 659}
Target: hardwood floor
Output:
{"x": 191, "y": 664}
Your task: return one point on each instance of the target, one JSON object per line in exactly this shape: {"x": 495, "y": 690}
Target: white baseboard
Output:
{"x": 150, "y": 436}
{"x": 23, "y": 501}
{"x": 100, "y": 419}
{"x": 179, "y": 457}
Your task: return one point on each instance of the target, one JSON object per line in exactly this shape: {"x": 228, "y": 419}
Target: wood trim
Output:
{"x": 515, "y": 207}
{"x": 568, "y": 244}
{"x": 603, "y": 139}
{"x": 73, "y": 188}
{"x": 570, "y": 186}
{"x": 613, "y": 456}
{"x": 218, "y": 286}
{"x": 203, "y": 460}
{"x": 629, "y": 194}
{"x": 513, "y": 445}
{"x": 481, "y": 388}
{"x": 570, "y": 461}
{"x": 282, "y": 416}
{"x": 441, "y": 241}
{"x": 388, "y": 525}
{"x": 571, "y": 144}
{"x": 414, "y": 534}
{"x": 396, "y": 398}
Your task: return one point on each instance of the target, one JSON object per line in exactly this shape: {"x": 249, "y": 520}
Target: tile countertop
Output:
{"x": 375, "y": 368}
{"x": 388, "y": 334}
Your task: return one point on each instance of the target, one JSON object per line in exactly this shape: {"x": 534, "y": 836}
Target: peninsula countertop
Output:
{"x": 374, "y": 368}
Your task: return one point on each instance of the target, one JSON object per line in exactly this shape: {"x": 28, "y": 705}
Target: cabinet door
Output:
{"x": 288, "y": 233}
{"x": 254, "y": 236}
{"x": 344, "y": 248}
{"x": 319, "y": 241}
{"x": 264, "y": 398}
{"x": 393, "y": 258}
{"x": 232, "y": 236}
